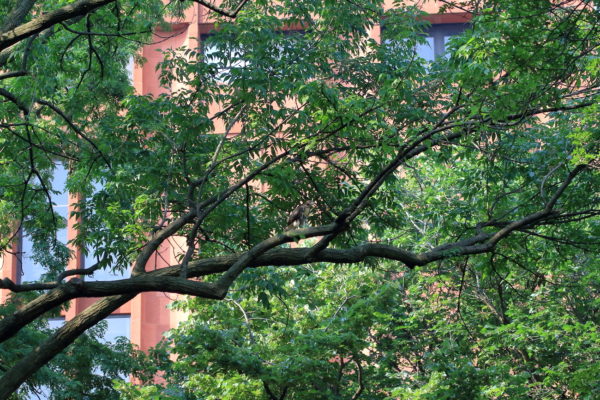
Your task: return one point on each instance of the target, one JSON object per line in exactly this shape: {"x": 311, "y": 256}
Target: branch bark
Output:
{"x": 45, "y": 21}
{"x": 17, "y": 15}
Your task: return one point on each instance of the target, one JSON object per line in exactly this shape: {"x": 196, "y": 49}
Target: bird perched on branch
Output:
{"x": 298, "y": 217}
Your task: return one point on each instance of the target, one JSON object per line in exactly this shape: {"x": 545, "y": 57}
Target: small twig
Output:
{"x": 246, "y": 319}
{"x": 219, "y": 10}
{"x": 542, "y": 194}
{"x": 89, "y": 33}
{"x": 359, "y": 379}
{"x": 75, "y": 128}
{"x": 80, "y": 271}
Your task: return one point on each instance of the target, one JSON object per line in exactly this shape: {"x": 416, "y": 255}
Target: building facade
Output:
{"x": 144, "y": 319}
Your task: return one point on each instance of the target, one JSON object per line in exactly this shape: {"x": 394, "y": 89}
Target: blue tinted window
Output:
{"x": 436, "y": 38}
{"x": 117, "y": 325}
{"x": 31, "y": 270}
{"x": 439, "y": 35}
{"x": 91, "y": 258}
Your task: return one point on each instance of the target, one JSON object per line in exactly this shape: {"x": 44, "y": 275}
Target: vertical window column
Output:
{"x": 92, "y": 257}
{"x": 31, "y": 270}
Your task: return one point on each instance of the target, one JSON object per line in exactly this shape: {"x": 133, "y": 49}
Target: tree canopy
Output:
{"x": 453, "y": 246}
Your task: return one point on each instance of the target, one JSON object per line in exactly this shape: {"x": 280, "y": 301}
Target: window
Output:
{"x": 129, "y": 68}
{"x": 426, "y": 50}
{"x": 30, "y": 269}
{"x": 117, "y": 325}
{"x": 55, "y": 323}
{"x": 105, "y": 274}
{"x": 226, "y": 56}
{"x": 438, "y": 36}
{"x": 91, "y": 258}
{"x": 222, "y": 58}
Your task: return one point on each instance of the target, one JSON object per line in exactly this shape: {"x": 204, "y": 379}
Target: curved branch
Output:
{"x": 244, "y": 260}
{"x": 359, "y": 379}
{"x": 12, "y": 98}
{"x": 13, "y": 74}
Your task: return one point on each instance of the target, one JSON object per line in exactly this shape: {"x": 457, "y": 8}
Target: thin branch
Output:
{"x": 75, "y": 128}
{"x": 359, "y": 379}
{"x": 89, "y": 33}
{"x": 218, "y": 10}
{"x": 80, "y": 271}
{"x": 246, "y": 320}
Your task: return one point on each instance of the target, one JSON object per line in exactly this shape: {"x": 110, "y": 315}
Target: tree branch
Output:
{"x": 12, "y": 98}
{"x": 63, "y": 337}
{"x": 17, "y": 15}
{"x": 264, "y": 254}
{"x": 218, "y": 10}
{"x": 45, "y": 21}
{"x": 359, "y": 379}
{"x": 14, "y": 74}
{"x": 72, "y": 125}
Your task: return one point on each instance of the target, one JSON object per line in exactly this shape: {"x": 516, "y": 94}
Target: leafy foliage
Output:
{"x": 453, "y": 252}
{"x": 437, "y": 333}
{"x": 85, "y": 370}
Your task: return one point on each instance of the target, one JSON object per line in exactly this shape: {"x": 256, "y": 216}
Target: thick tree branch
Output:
{"x": 243, "y": 261}
{"x": 14, "y": 74}
{"x": 17, "y": 15}
{"x": 63, "y": 337}
{"x": 264, "y": 254}
{"x": 45, "y": 21}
